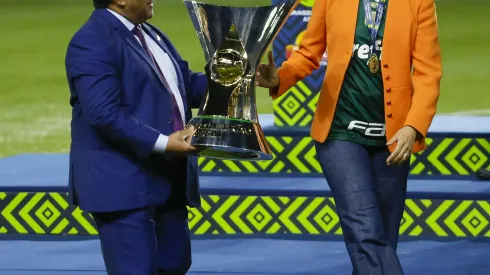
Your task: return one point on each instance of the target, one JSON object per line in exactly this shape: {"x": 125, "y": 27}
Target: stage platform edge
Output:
{"x": 289, "y": 207}
{"x": 457, "y": 147}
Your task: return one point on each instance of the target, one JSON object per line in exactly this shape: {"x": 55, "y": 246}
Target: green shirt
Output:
{"x": 359, "y": 115}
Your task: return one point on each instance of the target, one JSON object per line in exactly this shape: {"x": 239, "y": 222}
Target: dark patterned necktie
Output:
{"x": 177, "y": 118}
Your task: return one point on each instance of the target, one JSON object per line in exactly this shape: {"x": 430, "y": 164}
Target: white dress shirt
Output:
{"x": 168, "y": 69}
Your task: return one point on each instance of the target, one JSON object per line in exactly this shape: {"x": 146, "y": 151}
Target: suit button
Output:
{"x": 389, "y": 115}
{"x": 387, "y": 77}
{"x": 389, "y": 102}
{"x": 169, "y": 120}
{"x": 385, "y": 65}
{"x": 388, "y": 90}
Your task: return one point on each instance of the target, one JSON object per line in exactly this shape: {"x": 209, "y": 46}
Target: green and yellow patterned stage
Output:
{"x": 270, "y": 215}
{"x": 451, "y": 156}
{"x": 457, "y": 147}
{"x": 286, "y": 198}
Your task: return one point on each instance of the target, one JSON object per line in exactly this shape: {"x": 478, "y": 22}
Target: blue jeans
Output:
{"x": 370, "y": 199}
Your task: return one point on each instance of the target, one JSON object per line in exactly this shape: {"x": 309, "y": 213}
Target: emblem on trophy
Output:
{"x": 233, "y": 39}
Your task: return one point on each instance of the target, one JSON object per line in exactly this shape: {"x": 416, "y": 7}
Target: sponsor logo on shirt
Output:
{"x": 368, "y": 129}
{"x": 362, "y": 51}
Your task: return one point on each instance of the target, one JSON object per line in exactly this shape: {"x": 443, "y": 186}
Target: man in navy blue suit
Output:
{"x": 130, "y": 158}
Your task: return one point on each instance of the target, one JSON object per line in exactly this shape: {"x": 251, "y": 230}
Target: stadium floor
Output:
{"x": 248, "y": 257}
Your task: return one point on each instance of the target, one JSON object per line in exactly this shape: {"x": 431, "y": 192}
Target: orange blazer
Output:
{"x": 411, "y": 63}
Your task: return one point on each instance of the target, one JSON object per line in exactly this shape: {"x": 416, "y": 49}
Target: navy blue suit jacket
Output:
{"x": 120, "y": 106}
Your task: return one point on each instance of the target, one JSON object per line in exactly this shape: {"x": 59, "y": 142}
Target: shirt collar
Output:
{"x": 123, "y": 20}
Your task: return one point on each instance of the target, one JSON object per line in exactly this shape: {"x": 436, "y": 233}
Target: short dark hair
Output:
{"x": 102, "y": 4}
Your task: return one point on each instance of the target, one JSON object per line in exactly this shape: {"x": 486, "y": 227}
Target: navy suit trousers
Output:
{"x": 146, "y": 241}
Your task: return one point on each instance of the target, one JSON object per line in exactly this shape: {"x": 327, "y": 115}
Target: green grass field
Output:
{"x": 34, "y": 109}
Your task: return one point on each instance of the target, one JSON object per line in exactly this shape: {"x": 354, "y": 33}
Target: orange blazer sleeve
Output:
{"x": 427, "y": 69}
{"x": 307, "y": 58}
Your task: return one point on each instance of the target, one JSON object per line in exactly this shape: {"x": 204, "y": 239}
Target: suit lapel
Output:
{"x": 133, "y": 42}
{"x": 155, "y": 37}
{"x": 129, "y": 38}
{"x": 390, "y": 25}
{"x": 349, "y": 17}
{"x": 164, "y": 48}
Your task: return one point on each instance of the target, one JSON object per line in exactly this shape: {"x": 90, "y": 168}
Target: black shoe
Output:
{"x": 483, "y": 174}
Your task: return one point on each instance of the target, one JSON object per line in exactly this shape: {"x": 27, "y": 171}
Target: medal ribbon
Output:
{"x": 373, "y": 28}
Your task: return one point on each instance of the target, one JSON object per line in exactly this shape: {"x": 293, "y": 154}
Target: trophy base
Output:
{"x": 221, "y": 137}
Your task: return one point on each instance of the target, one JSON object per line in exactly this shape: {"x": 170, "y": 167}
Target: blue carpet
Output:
{"x": 247, "y": 257}
{"x": 41, "y": 172}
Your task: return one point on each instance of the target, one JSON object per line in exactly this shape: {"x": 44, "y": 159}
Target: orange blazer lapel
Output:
{"x": 390, "y": 25}
{"x": 345, "y": 19}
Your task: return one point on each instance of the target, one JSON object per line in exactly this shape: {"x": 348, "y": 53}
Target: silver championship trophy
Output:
{"x": 234, "y": 40}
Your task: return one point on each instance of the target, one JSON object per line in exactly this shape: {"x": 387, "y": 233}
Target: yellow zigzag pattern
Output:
{"x": 41, "y": 213}
{"x": 444, "y": 156}
{"x": 49, "y": 213}
{"x": 289, "y": 110}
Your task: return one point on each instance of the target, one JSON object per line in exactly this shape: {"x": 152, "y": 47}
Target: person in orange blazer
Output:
{"x": 376, "y": 104}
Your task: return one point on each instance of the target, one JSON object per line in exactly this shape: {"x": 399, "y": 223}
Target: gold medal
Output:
{"x": 373, "y": 64}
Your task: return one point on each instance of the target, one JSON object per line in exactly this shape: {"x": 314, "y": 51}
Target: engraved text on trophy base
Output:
{"x": 215, "y": 130}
